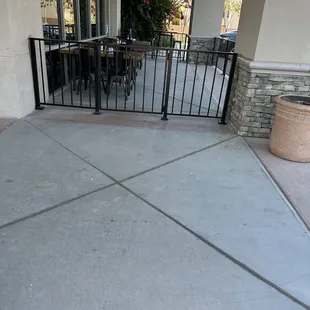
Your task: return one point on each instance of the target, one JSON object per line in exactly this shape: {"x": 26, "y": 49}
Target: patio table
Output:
{"x": 74, "y": 50}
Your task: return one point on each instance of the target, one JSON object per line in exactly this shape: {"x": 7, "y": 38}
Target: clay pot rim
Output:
{"x": 293, "y": 106}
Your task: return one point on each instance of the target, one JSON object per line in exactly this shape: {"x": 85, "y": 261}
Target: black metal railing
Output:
{"x": 52, "y": 31}
{"x": 170, "y": 39}
{"x": 177, "y": 40}
{"x": 224, "y": 45}
{"x": 122, "y": 77}
{"x": 227, "y": 46}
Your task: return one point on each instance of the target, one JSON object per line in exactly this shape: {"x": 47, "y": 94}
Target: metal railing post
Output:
{"x": 188, "y": 46}
{"x": 229, "y": 87}
{"x": 77, "y": 19}
{"x": 153, "y": 45}
{"x": 98, "y": 30}
{"x": 61, "y": 19}
{"x": 185, "y": 45}
{"x": 34, "y": 68}
{"x": 226, "y": 60}
{"x": 167, "y": 83}
{"x": 214, "y": 46}
{"x": 164, "y": 82}
{"x": 97, "y": 53}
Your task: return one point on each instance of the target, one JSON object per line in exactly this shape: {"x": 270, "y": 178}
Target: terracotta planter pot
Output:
{"x": 290, "y": 136}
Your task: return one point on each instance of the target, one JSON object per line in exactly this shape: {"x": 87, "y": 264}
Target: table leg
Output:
{"x": 73, "y": 71}
{"x": 66, "y": 69}
{"x": 130, "y": 75}
{"x": 136, "y": 67}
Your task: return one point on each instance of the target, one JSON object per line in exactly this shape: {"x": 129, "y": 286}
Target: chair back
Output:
{"x": 141, "y": 46}
{"x": 142, "y": 43}
{"x": 86, "y": 60}
{"x": 109, "y": 41}
{"x": 70, "y": 36}
{"x": 118, "y": 59}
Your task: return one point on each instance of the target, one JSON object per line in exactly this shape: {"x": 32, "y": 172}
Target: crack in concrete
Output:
{"x": 54, "y": 206}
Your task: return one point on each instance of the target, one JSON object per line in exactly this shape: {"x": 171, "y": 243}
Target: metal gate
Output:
{"x": 131, "y": 78}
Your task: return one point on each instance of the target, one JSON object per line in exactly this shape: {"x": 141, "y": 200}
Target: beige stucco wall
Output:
{"x": 285, "y": 32}
{"x": 19, "y": 20}
{"x": 115, "y": 14}
{"x": 233, "y": 23}
{"x": 274, "y": 30}
{"x": 49, "y": 13}
{"x": 207, "y": 17}
{"x": 249, "y": 27}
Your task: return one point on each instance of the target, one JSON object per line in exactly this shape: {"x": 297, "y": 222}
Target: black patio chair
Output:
{"x": 87, "y": 70}
{"x": 117, "y": 72}
{"x": 70, "y": 36}
{"x": 109, "y": 41}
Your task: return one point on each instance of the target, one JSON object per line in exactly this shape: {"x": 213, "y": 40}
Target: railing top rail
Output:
{"x": 94, "y": 38}
{"x": 87, "y": 41}
{"x": 226, "y": 39}
{"x": 132, "y": 46}
{"x": 67, "y": 25}
{"x": 169, "y": 32}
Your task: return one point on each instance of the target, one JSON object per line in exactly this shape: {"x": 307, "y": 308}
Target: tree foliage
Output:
{"x": 68, "y": 8}
{"x": 145, "y": 16}
{"x": 231, "y": 8}
{"x": 185, "y": 13}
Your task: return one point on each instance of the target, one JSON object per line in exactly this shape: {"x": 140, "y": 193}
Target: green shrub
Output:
{"x": 176, "y": 21}
{"x": 166, "y": 41}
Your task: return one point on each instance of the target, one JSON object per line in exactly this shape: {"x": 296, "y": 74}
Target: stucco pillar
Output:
{"x": 115, "y": 17}
{"x": 274, "y": 59}
{"x": 19, "y": 19}
{"x": 206, "y": 18}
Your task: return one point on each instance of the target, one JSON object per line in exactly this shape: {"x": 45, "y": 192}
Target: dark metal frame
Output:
{"x": 77, "y": 19}
{"x": 224, "y": 45}
{"x": 174, "y": 37}
{"x": 53, "y": 31}
{"x": 130, "y": 76}
{"x": 62, "y": 29}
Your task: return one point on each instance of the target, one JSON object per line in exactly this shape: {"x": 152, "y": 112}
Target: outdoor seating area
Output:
{"x": 73, "y": 65}
{"x": 129, "y": 75}
{"x": 85, "y": 61}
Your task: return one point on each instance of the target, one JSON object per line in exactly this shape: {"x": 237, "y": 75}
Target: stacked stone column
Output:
{"x": 269, "y": 64}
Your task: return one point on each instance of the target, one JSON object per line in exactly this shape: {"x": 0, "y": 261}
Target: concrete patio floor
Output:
{"x": 293, "y": 178}
{"x": 5, "y": 123}
{"x": 123, "y": 211}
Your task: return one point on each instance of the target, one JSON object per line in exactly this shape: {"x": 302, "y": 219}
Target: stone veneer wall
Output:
{"x": 252, "y": 101}
{"x": 201, "y": 44}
